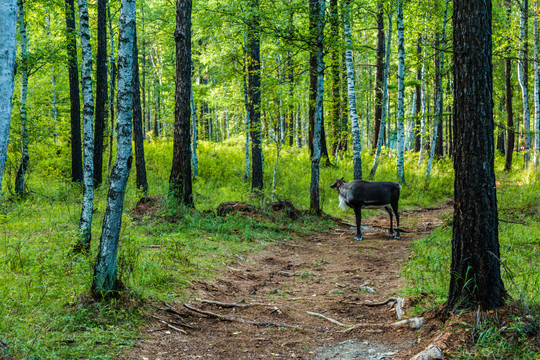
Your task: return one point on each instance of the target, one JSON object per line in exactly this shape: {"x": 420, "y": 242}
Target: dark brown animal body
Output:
{"x": 360, "y": 194}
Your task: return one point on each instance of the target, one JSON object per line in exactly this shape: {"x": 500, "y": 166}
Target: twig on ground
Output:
{"x": 244, "y": 321}
{"x": 370, "y": 303}
{"x": 169, "y": 325}
{"x": 324, "y": 317}
{"x": 512, "y": 222}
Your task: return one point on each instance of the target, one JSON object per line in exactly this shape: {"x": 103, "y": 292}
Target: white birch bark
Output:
{"x": 536, "y": 90}
{"x": 356, "y": 140}
{"x": 8, "y": 47}
{"x": 194, "y": 159}
{"x": 423, "y": 110}
{"x": 105, "y": 269}
{"x": 384, "y": 101}
{"x": 438, "y": 109}
{"x": 410, "y": 127}
{"x": 85, "y": 223}
{"x": 401, "y": 95}
{"x": 521, "y": 79}
{"x": 21, "y": 172}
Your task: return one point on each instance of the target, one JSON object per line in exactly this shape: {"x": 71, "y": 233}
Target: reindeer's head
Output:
{"x": 337, "y": 184}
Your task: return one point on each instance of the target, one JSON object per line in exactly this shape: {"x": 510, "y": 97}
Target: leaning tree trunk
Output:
{"x": 180, "y": 183}
{"x": 254, "y": 94}
{"x": 317, "y": 7}
{"x": 357, "y": 145}
{"x": 380, "y": 137}
{"x": 8, "y": 47}
{"x": 74, "y": 96}
{"x": 101, "y": 91}
{"x": 401, "y": 95}
{"x": 138, "y": 135}
{"x": 23, "y": 166}
{"x": 523, "y": 76}
{"x": 105, "y": 280}
{"x": 475, "y": 277}
{"x": 439, "y": 101}
{"x": 85, "y": 223}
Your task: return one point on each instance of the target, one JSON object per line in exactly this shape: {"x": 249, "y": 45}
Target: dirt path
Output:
{"x": 328, "y": 274}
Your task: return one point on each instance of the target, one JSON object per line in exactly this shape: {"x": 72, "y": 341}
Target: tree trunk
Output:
{"x": 254, "y": 94}
{"x": 379, "y": 77}
{"x": 112, "y": 90}
{"x": 85, "y": 223}
{"x": 523, "y": 76}
{"x": 336, "y": 79}
{"x": 74, "y": 96}
{"x": 475, "y": 278}
{"x": 510, "y": 135}
{"x": 23, "y": 166}
{"x": 536, "y": 90}
{"x": 317, "y": 10}
{"x": 138, "y": 135}
{"x": 357, "y": 145}
{"x": 194, "y": 159}
{"x": 246, "y": 106}
{"x": 418, "y": 89}
{"x": 53, "y": 90}
{"x": 101, "y": 91}
{"x": 105, "y": 281}
{"x": 423, "y": 107}
{"x": 180, "y": 180}
{"x": 8, "y": 47}
{"x": 439, "y": 99}
{"x": 380, "y": 137}
{"x": 401, "y": 95}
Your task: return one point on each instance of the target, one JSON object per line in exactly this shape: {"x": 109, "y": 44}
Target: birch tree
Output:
{"x": 180, "y": 180}
{"x": 317, "y": 8}
{"x": 439, "y": 101}
{"x": 85, "y": 223}
{"x": 536, "y": 89}
{"x": 356, "y": 139}
{"x": 401, "y": 94}
{"x": 105, "y": 279}
{"x": 101, "y": 90}
{"x": 523, "y": 75}
{"x": 379, "y": 76}
{"x": 23, "y": 166}
{"x": 8, "y": 47}
{"x": 380, "y": 137}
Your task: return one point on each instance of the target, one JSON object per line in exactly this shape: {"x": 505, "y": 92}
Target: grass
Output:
{"x": 45, "y": 311}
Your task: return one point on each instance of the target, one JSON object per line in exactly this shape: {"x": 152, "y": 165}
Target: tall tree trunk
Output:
{"x": 53, "y": 89}
{"x": 180, "y": 181}
{"x": 357, "y": 145}
{"x": 380, "y": 137}
{"x": 74, "y": 96}
{"x": 418, "y": 89}
{"x": 111, "y": 89}
{"x": 423, "y": 106}
{"x": 536, "y": 90}
{"x": 317, "y": 10}
{"x": 246, "y": 106}
{"x": 335, "y": 105}
{"x": 8, "y": 47}
{"x": 138, "y": 135}
{"x": 510, "y": 135}
{"x": 105, "y": 281}
{"x": 439, "y": 99}
{"x": 475, "y": 277}
{"x": 254, "y": 94}
{"x": 523, "y": 76}
{"x": 194, "y": 159}
{"x": 23, "y": 166}
{"x": 379, "y": 77}
{"x": 101, "y": 91}
{"x": 85, "y": 223}
{"x": 401, "y": 95}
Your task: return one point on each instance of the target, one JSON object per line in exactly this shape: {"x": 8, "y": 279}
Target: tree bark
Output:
{"x": 180, "y": 180}
{"x": 379, "y": 77}
{"x": 475, "y": 278}
{"x": 74, "y": 96}
{"x": 254, "y": 94}
{"x": 85, "y": 223}
{"x": 401, "y": 95}
{"x": 8, "y": 47}
{"x": 101, "y": 91}
{"x": 105, "y": 280}
{"x": 523, "y": 76}
{"x": 510, "y": 135}
{"x": 536, "y": 90}
{"x": 138, "y": 135}
{"x": 418, "y": 89}
{"x": 111, "y": 89}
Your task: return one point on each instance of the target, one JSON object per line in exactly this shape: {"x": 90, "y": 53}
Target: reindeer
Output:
{"x": 360, "y": 194}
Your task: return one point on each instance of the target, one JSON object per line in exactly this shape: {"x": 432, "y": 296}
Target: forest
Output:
{"x": 162, "y": 163}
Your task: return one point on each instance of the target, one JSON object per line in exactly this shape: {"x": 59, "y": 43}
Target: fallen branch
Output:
{"x": 370, "y": 303}
{"x": 239, "y": 320}
{"x": 324, "y": 317}
{"x": 512, "y": 222}
{"x": 229, "y": 305}
{"x": 169, "y": 325}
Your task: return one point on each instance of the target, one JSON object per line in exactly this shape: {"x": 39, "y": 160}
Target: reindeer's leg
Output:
{"x": 358, "y": 214}
{"x": 395, "y": 205}
{"x": 389, "y": 210}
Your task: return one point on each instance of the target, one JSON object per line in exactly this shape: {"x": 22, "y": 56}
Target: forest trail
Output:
{"x": 294, "y": 300}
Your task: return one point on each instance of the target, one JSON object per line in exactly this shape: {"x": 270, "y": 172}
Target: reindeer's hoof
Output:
{"x": 358, "y": 238}
{"x": 391, "y": 234}
{"x": 397, "y": 237}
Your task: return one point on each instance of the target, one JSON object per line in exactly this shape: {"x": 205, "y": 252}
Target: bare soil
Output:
{"x": 297, "y": 300}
